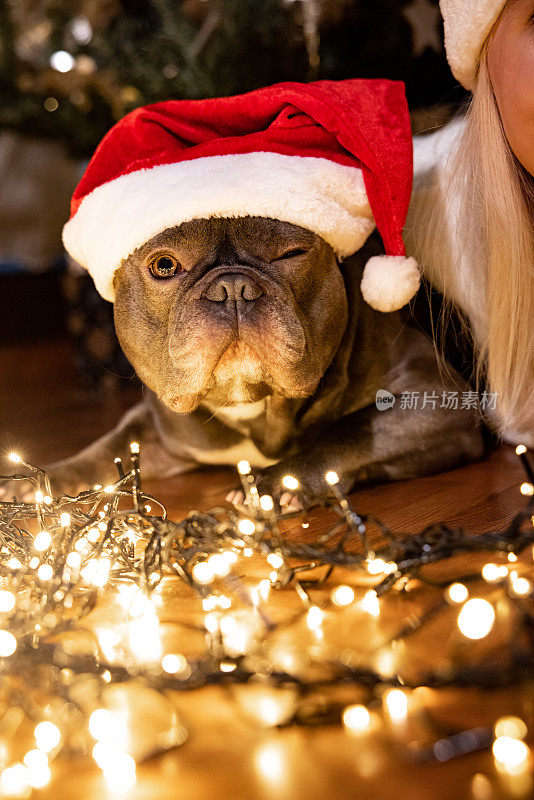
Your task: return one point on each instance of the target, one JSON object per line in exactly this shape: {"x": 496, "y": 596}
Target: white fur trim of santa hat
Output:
{"x": 389, "y": 282}
{"x": 468, "y": 24}
{"x": 121, "y": 215}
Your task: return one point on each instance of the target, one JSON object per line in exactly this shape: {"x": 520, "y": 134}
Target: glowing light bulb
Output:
{"x": 520, "y": 449}
{"x": 8, "y": 644}
{"x": 314, "y": 618}
{"x": 513, "y": 727}
{"x": 134, "y": 448}
{"x": 266, "y": 502}
{"x": 342, "y": 595}
{"x": 120, "y": 772}
{"x": 376, "y": 566}
{"x": 42, "y": 541}
{"x": 246, "y": 527}
{"x": 243, "y": 467}
{"x": 476, "y": 618}
{"x": 512, "y": 557}
{"x": 7, "y": 601}
{"x": 511, "y": 755}
{"x": 174, "y": 663}
{"x": 275, "y": 560}
{"x": 356, "y": 718}
{"x": 332, "y": 478}
{"x": 494, "y": 572}
{"x": 64, "y": 520}
{"x": 527, "y": 489}
{"x": 109, "y": 489}
{"x": 290, "y": 483}
{"x": 39, "y": 496}
{"x": 457, "y": 593}
{"x": 45, "y": 572}
{"x": 370, "y": 604}
{"x": 47, "y": 736}
{"x": 62, "y": 61}
{"x": 15, "y": 458}
{"x": 396, "y": 704}
{"x": 202, "y": 572}
{"x": 14, "y": 781}
{"x": 521, "y": 586}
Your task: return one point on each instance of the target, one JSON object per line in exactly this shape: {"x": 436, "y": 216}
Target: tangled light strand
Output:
{"x": 59, "y": 556}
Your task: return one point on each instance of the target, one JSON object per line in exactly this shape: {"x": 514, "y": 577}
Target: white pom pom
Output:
{"x": 389, "y": 282}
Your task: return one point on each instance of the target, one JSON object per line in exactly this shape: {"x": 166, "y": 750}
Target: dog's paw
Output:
{"x": 292, "y": 486}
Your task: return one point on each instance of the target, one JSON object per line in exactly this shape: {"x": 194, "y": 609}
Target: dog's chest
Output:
{"x": 238, "y": 417}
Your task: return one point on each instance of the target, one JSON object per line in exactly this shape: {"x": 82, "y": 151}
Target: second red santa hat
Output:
{"x": 333, "y": 156}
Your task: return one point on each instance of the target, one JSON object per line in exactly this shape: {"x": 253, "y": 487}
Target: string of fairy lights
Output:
{"x": 111, "y": 553}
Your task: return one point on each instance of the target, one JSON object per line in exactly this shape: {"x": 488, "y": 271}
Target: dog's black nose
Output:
{"x": 232, "y": 289}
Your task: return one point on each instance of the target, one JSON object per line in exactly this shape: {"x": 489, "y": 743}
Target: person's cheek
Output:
{"x": 511, "y": 63}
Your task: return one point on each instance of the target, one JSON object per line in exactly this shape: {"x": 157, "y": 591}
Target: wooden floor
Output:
{"x": 45, "y": 416}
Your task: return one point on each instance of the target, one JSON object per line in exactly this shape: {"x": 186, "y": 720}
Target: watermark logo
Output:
{"x": 451, "y": 401}
{"x": 384, "y": 400}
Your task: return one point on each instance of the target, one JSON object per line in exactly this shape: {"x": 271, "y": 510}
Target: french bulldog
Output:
{"x": 254, "y": 342}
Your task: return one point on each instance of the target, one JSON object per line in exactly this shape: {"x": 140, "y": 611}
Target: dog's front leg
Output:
{"x": 371, "y": 445}
{"x": 95, "y": 464}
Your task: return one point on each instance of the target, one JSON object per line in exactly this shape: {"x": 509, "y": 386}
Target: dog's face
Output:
{"x": 230, "y": 310}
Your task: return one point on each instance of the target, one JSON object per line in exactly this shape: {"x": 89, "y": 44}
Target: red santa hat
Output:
{"x": 332, "y": 156}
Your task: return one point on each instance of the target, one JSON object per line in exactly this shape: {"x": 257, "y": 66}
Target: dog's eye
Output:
{"x": 164, "y": 267}
{"x": 297, "y": 251}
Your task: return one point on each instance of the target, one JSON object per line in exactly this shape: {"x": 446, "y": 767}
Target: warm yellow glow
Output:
{"x": 109, "y": 489}
{"x": 243, "y": 467}
{"x": 227, "y": 666}
{"x": 35, "y": 758}
{"x": 219, "y": 565}
{"x": 375, "y": 566}
{"x": 513, "y": 727}
{"x": 248, "y": 552}
{"x": 202, "y": 572}
{"x": 246, "y": 527}
{"x": 47, "y": 736}
{"x": 266, "y": 502}
{"x": 457, "y": 593}
{"x": 332, "y": 478}
{"x": 512, "y": 557}
{"x": 15, "y": 458}
{"x": 101, "y": 724}
{"x": 174, "y": 663}
{"x": 396, "y": 704}
{"x": 521, "y": 586}
{"x": 45, "y": 572}
{"x": 370, "y": 604}
{"x": 476, "y": 618}
{"x": 14, "y": 781}
{"x": 511, "y": 755}
{"x": 14, "y": 563}
{"x": 7, "y": 601}
{"x": 527, "y": 489}
{"x": 39, "y": 496}
{"x": 290, "y": 483}
{"x": 494, "y": 572}
{"x": 64, "y": 520}
{"x": 269, "y": 759}
{"x": 74, "y": 560}
{"x": 134, "y": 448}
{"x": 42, "y": 541}
{"x": 356, "y": 719}
{"x": 520, "y": 449}
{"x": 8, "y": 644}
{"x": 275, "y": 560}
{"x": 342, "y": 595}
{"x": 120, "y": 772}
{"x": 314, "y": 618}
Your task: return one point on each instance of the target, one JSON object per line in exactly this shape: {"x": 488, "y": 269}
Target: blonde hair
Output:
{"x": 490, "y": 236}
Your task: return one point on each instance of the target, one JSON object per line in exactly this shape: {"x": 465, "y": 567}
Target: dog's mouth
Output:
{"x": 239, "y": 376}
